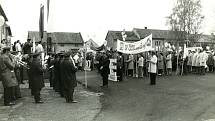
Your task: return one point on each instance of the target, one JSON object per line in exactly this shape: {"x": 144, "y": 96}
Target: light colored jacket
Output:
{"x": 169, "y": 61}
{"x": 153, "y": 64}
{"x": 202, "y": 58}
{"x": 140, "y": 61}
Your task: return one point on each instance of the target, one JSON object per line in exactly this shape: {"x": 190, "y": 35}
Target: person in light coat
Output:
{"x": 193, "y": 61}
{"x": 130, "y": 62}
{"x": 140, "y": 66}
{"x": 152, "y": 69}
{"x": 203, "y": 60}
{"x": 189, "y": 61}
{"x": 169, "y": 63}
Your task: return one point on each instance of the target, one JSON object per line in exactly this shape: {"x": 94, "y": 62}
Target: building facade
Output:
{"x": 5, "y": 31}
{"x": 58, "y": 41}
{"x": 159, "y": 38}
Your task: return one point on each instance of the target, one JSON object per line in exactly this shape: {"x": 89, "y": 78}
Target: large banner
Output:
{"x": 135, "y": 47}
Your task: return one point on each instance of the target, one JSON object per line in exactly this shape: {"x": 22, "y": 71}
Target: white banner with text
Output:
{"x": 136, "y": 47}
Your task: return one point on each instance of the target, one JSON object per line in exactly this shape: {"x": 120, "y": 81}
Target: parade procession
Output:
{"x": 104, "y": 62}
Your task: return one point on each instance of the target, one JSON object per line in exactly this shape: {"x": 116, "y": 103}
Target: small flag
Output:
{"x": 41, "y": 21}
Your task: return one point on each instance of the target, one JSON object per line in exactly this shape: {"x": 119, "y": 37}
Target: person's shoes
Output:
{"x": 74, "y": 101}
{"x": 10, "y": 104}
{"x": 40, "y": 102}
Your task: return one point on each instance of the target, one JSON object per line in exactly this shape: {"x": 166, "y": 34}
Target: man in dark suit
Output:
{"x": 69, "y": 77}
{"x": 120, "y": 68}
{"x": 27, "y": 47}
{"x": 7, "y": 76}
{"x": 105, "y": 70}
{"x": 37, "y": 82}
{"x": 61, "y": 75}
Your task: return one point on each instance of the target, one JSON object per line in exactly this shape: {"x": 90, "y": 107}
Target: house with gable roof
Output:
{"x": 58, "y": 41}
{"x": 159, "y": 37}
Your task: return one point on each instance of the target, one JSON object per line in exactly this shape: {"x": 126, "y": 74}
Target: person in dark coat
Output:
{"x": 27, "y": 47}
{"x": 105, "y": 70}
{"x": 50, "y": 62}
{"x": 7, "y": 76}
{"x": 37, "y": 82}
{"x": 69, "y": 77}
{"x": 120, "y": 67}
{"x": 56, "y": 73}
{"x": 30, "y": 74}
{"x": 61, "y": 74}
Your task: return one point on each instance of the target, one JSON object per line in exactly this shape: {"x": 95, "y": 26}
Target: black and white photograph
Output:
{"x": 107, "y": 60}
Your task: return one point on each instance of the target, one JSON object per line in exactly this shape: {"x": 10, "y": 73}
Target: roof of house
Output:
{"x": 35, "y": 35}
{"x": 3, "y": 13}
{"x": 67, "y": 37}
{"x": 160, "y": 34}
{"x": 202, "y": 38}
{"x": 131, "y": 36}
{"x": 90, "y": 41}
{"x": 57, "y": 37}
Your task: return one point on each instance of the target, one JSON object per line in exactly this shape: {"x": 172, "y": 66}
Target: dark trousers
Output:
{"x": 8, "y": 95}
{"x": 153, "y": 78}
{"x": 105, "y": 79}
{"x": 69, "y": 94}
{"x": 51, "y": 78}
{"x": 61, "y": 88}
{"x": 130, "y": 72}
{"x": 160, "y": 71}
{"x": 21, "y": 74}
{"x": 210, "y": 68}
{"x": 202, "y": 70}
{"x": 17, "y": 92}
{"x": 36, "y": 93}
{"x": 119, "y": 74}
{"x": 189, "y": 68}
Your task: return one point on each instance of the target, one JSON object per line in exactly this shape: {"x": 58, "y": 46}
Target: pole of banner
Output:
{"x": 85, "y": 69}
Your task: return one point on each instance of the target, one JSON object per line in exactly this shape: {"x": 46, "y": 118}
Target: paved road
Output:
{"x": 55, "y": 108}
{"x": 174, "y": 98}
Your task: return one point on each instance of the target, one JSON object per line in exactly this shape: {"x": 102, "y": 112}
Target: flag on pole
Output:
{"x": 48, "y": 2}
{"x": 41, "y": 21}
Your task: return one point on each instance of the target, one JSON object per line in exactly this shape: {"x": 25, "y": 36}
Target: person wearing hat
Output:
{"x": 37, "y": 82}
{"x": 27, "y": 47}
{"x": 69, "y": 77}
{"x": 61, "y": 74}
{"x": 7, "y": 76}
{"x": 105, "y": 70}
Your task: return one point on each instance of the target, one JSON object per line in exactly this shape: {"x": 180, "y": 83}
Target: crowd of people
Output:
{"x": 62, "y": 67}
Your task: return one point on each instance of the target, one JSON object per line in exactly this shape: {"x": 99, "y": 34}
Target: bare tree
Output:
{"x": 186, "y": 16}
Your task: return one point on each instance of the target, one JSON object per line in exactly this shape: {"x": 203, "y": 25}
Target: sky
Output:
{"x": 93, "y": 18}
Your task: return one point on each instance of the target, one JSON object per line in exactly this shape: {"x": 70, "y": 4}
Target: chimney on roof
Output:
{"x": 145, "y": 27}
